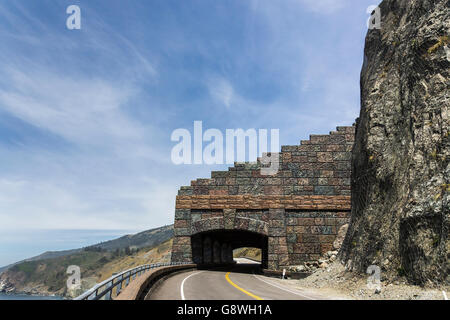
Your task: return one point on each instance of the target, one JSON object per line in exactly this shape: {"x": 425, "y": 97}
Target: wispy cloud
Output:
{"x": 221, "y": 90}
{"x": 80, "y": 110}
{"x": 91, "y": 106}
{"x": 324, "y": 6}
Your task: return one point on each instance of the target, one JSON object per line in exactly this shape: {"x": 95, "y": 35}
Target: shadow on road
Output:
{"x": 247, "y": 268}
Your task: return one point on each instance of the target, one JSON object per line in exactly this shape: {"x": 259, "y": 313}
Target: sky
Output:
{"x": 86, "y": 115}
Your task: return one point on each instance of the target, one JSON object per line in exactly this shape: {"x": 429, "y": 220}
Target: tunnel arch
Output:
{"x": 238, "y": 223}
{"x": 215, "y": 246}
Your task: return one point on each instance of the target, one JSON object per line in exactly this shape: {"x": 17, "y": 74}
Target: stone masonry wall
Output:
{"x": 300, "y": 209}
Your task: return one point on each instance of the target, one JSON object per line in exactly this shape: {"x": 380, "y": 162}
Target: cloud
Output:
{"x": 84, "y": 88}
{"x": 323, "y": 6}
{"x": 86, "y": 111}
{"x": 54, "y": 204}
{"x": 221, "y": 90}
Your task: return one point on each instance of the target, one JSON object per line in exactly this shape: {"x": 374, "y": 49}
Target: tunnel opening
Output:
{"x": 252, "y": 255}
{"x": 216, "y": 247}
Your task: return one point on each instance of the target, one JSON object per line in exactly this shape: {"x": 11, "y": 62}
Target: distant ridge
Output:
{"x": 139, "y": 240}
{"x": 148, "y": 238}
{"x": 42, "y": 256}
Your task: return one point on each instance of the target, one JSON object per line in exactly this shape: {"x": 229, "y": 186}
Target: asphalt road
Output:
{"x": 240, "y": 282}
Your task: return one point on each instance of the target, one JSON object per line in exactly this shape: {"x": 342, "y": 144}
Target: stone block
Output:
{"x": 273, "y": 265}
{"x": 305, "y": 221}
{"x": 299, "y": 258}
{"x": 181, "y": 241}
{"x": 181, "y": 223}
{"x": 253, "y": 225}
{"x": 272, "y": 257}
{"x": 310, "y": 238}
{"x": 277, "y": 232}
{"x": 182, "y": 232}
{"x": 229, "y": 222}
{"x": 324, "y": 190}
{"x": 186, "y": 191}
{"x": 324, "y": 157}
{"x": 283, "y": 259}
{"x": 241, "y": 223}
{"x": 290, "y": 247}
{"x": 281, "y": 249}
{"x": 300, "y": 229}
{"x": 276, "y": 223}
{"x": 276, "y": 214}
{"x": 182, "y": 214}
{"x": 216, "y": 223}
{"x": 196, "y": 217}
{"x": 273, "y": 240}
{"x": 273, "y": 190}
{"x": 290, "y": 221}
{"x": 325, "y": 247}
{"x": 291, "y": 237}
{"x": 319, "y": 221}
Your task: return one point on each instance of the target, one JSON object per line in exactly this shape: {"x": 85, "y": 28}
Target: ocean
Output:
{"x": 4, "y": 296}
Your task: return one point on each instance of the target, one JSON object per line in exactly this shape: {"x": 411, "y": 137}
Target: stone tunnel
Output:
{"x": 216, "y": 246}
{"x": 292, "y": 216}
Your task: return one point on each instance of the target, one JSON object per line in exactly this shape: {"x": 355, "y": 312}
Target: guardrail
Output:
{"x": 105, "y": 289}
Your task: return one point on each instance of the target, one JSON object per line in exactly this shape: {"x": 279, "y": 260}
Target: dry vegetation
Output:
{"x": 251, "y": 253}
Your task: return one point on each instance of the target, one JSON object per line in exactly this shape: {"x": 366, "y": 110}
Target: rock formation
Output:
{"x": 400, "y": 161}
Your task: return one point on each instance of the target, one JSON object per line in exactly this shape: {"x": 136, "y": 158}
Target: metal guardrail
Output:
{"x": 105, "y": 289}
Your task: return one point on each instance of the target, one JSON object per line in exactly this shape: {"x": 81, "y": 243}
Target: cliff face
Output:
{"x": 400, "y": 179}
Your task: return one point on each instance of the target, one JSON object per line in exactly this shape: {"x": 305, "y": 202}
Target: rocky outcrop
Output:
{"x": 400, "y": 162}
{"x": 6, "y": 287}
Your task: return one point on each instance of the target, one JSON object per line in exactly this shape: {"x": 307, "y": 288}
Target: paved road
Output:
{"x": 237, "y": 283}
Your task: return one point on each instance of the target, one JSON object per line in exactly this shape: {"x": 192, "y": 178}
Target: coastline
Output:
{"x": 24, "y": 296}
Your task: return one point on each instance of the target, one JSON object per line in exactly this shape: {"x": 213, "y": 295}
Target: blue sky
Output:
{"x": 86, "y": 115}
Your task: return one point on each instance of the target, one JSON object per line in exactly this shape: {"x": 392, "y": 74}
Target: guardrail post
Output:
{"x": 119, "y": 286}
{"x": 108, "y": 294}
{"x": 93, "y": 296}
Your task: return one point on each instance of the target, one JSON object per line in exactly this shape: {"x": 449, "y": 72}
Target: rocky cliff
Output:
{"x": 400, "y": 166}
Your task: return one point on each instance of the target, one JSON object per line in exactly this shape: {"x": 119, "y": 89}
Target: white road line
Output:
{"x": 245, "y": 261}
{"x": 272, "y": 284}
{"x": 182, "y": 284}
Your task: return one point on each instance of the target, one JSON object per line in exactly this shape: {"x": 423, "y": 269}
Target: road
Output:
{"x": 240, "y": 282}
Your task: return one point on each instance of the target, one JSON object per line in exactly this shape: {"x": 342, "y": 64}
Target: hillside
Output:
{"x": 145, "y": 239}
{"x": 251, "y": 253}
{"x": 157, "y": 254}
{"x": 148, "y": 238}
{"x": 97, "y": 262}
{"x": 43, "y": 256}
